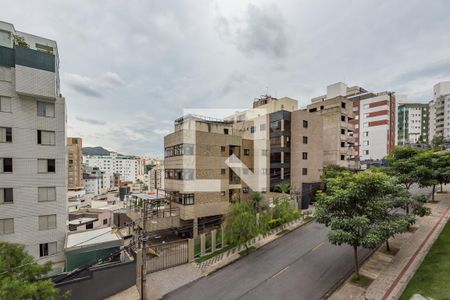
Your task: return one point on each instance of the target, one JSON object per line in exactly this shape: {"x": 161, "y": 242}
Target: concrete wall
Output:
{"x": 101, "y": 282}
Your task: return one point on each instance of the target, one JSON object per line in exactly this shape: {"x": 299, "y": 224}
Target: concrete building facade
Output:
{"x": 74, "y": 163}
{"x": 440, "y": 111}
{"x": 33, "y": 157}
{"x": 129, "y": 167}
{"x": 412, "y": 123}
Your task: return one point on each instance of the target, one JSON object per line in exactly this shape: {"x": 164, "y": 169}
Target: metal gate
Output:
{"x": 167, "y": 255}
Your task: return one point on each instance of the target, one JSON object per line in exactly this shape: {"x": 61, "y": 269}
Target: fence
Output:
{"x": 167, "y": 255}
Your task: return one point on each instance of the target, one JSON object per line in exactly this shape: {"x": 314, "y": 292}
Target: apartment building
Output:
{"x": 33, "y": 157}
{"x": 97, "y": 182}
{"x": 412, "y": 123}
{"x": 338, "y": 128}
{"x": 129, "y": 167}
{"x": 440, "y": 111}
{"x": 212, "y": 163}
{"x": 74, "y": 163}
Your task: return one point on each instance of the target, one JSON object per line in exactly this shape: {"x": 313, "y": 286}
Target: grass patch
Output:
{"x": 361, "y": 280}
{"x": 245, "y": 252}
{"x": 308, "y": 218}
{"x": 431, "y": 279}
{"x": 217, "y": 252}
{"x": 283, "y": 232}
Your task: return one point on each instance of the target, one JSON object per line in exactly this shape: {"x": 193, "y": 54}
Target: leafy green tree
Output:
{"x": 332, "y": 171}
{"x": 438, "y": 141}
{"x": 358, "y": 208}
{"x": 433, "y": 169}
{"x": 283, "y": 187}
{"x": 241, "y": 225}
{"x": 257, "y": 201}
{"x": 403, "y": 166}
{"x": 21, "y": 277}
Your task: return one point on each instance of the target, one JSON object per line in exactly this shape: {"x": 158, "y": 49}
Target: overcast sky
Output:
{"x": 129, "y": 68}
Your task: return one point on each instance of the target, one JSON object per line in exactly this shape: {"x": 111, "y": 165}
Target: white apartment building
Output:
{"x": 33, "y": 164}
{"x": 97, "y": 182}
{"x": 129, "y": 167}
{"x": 440, "y": 111}
{"x": 412, "y": 123}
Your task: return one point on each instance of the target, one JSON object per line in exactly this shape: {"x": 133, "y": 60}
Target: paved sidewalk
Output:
{"x": 390, "y": 273}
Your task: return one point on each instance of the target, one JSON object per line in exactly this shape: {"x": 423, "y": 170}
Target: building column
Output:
{"x": 195, "y": 229}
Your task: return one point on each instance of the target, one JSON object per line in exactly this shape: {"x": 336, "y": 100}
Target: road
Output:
{"x": 299, "y": 265}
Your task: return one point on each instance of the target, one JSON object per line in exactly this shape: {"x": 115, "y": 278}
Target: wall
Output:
{"x": 101, "y": 282}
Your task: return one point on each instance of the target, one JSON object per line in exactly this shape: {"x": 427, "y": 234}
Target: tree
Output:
{"x": 438, "y": 141}
{"x": 402, "y": 165}
{"x": 241, "y": 225}
{"x": 256, "y": 200}
{"x": 21, "y": 277}
{"x": 362, "y": 210}
{"x": 432, "y": 169}
{"x": 283, "y": 187}
{"x": 332, "y": 171}
{"x": 20, "y": 41}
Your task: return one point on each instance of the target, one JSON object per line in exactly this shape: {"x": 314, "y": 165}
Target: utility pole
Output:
{"x": 142, "y": 253}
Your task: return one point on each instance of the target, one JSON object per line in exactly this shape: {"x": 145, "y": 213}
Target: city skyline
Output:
{"x": 148, "y": 69}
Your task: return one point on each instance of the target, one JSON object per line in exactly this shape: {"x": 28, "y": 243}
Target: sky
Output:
{"x": 130, "y": 68}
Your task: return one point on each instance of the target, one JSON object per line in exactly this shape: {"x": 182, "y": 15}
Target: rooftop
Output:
{"x": 91, "y": 237}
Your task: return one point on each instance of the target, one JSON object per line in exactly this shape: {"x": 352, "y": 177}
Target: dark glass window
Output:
{"x": 246, "y": 152}
{"x": 7, "y": 164}
{"x": 305, "y": 124}
{"x": 305, "y": 155}
{"x": 304, "y": 171}
{"x": 305, "y": 140}
{"x": 51, "y": 165}
{"x": 275, "y": 157}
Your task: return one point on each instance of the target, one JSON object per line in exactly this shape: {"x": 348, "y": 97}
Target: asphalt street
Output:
{"x": 299, "y": 265}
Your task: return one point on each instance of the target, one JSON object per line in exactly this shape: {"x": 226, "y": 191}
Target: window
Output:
{"x": 47, "y": 222}
{"x": 252, "y": 129}
{"x": 222, "y": 148}
{"x": 342, "y": 157}
{"x": 44, "y": 48}
{"x": 343, "y": 105}
{"x": 5, "y": 104}
{"x": 305, "y": 124}
{"x": 304, "y": 171}
{"x": 365, "y": 143}
{"x": 46, "y": 166}
{"x": 305, "y": 155}
{"x": 6, "y": 226}
{"x": 305, "y": 140}
{"x": 45, "y": 109}
{"x": 47, "y": 249}
{"x": 5, "y": 134}
{"x": 105, "y": 221}
{"x": 275, "y": 141}
{"x": 246, "y": 152}
{"x": 342, "y": 144}
{"x": 90, "y": 226}
{"x": 225, "y": 131}
{"x": 187, "y": 199}
{"x": 5, "y": 39}
{"x": 6, "y": 195}
{"x": 46, "y": 194}
{"x": 366, "y": 152}
{"x": 343, "y": 118}
{"x": 6, "y": 165}
{"x": 342, "y": 131}
{"x": 45, "y": 137}
{"x": 275, "y": 125}
{"x": 365, "y": 133}
{"x": 222, "y": 171}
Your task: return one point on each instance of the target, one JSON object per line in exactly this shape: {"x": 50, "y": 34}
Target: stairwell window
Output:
{"x": 5, "y": 104}
{"x": 6, "y": 165}
{"x": 305, "y": 124}
{"x": 46, "y": 166}
{"x": 46, "y": 194}
{"x": 305, "y": 155}
{"x": 45, "y": 109}
{"x": 6, "y": 226}
{"x": 45, "y": 137}
{"x": 5, "y": 135}
{"x": 305, "y": 140}
{"x": 47, "y": 249}
{"x": 6, "y": 195}
{"x": 47, "y": 222}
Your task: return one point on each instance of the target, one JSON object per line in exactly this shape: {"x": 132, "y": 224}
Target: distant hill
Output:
{"x": 95, "y": 151}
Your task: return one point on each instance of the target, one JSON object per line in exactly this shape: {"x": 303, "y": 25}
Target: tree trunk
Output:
{"x": 432, "y": 193}
{"x": 442, "y": 189}
{"x": 355, "y": 252}
{"x": 388, "y": 248}
{"x": 246, "y": 248}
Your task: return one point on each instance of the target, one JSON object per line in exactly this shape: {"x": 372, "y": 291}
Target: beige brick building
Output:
{"x": 75, "y": 163}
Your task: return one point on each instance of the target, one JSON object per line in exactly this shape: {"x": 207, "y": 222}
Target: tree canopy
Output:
{"x": 21, "y": 277}
{"x": 241, "y": 224}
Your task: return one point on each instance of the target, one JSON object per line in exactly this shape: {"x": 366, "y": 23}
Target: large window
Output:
{"x": 47, "y": 249}
{"x": 5, "y": 39}
{"x": 275, "y": 157}
{"x": 6, "y": 165}
{"x": 187, "y": 199}
{"x": 178, "y": 150}
{"x": 6, "y": 195}
{"x": 47, "y": 222}
{"x": 46, "y": 166}
{"x": 46, "y": 194}
{"x": 6, "y": 226}
{"x": 275, "y": 141}
{"x": 45, "y": 109}
{"x": 179, "y": 174}
{"x": 5, "y": 135}
{"x": 46, "y": 137}
{"x": 275, "y": 125}
{"x": 5, "y": 104}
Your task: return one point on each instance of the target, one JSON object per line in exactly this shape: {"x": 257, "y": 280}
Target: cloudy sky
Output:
{"x": 129, "y": 68}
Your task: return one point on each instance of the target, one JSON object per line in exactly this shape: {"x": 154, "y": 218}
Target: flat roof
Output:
{"x": 91, "y": 237}
{"x": 81, "y": 220}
